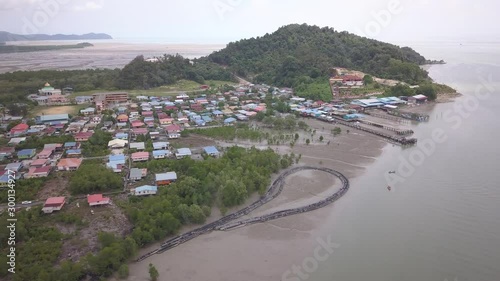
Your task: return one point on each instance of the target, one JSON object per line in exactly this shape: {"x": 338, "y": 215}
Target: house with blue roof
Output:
{"x": 116, "y": 162}
{"x": 161, "y": 154}
{"x": 33, "y": 131}
{"x": 52, "y": 119}
{"x": 88, "y": 111}
{"x": 4, "y": 179}
{"x": 26, "y": 153}
{"x": 122, "y": 136}
{"x": 217, "y": 113}
{"x": 83, "y": 99}
{"x": 73, "y": 152}
{"x": 229, "y": 121}
{"x": 183, "y": 152}
{"x": 351, "y": 117}
{"x": 368, "y": 102}
{"x": 71, "y": 145}
{"x": 119, "y": 158}
{"x": 199, "y": 122}
{"x": 211, "y": 151}
{"x": 144, "y": 190}
{"x": 160, "y": 145}
{"x": 206, "y": 118}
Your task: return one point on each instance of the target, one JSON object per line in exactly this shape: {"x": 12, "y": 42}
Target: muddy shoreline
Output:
{"x": 264, "y": 251}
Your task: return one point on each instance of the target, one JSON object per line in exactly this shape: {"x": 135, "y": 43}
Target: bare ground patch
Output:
{"x": 193, "y": 141}
{"x": 84, "y": 238}
{"x": 56, "y": 186}
{"x": 69, "y": 109}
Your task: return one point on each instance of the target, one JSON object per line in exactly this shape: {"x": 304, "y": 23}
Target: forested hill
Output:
{"x": 296, "y": 53}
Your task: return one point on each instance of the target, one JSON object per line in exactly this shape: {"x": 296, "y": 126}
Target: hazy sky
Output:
{"x": 220, "y": 21}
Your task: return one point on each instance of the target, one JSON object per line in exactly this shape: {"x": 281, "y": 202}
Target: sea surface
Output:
{"x": 113, "y": 53}
{"x": 441, "y": 219}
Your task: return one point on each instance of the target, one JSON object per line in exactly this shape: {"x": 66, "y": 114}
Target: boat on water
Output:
{"x": 392, "y": 172}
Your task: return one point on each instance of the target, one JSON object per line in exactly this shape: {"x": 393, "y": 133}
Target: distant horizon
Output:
{"x": 226, "y": 40}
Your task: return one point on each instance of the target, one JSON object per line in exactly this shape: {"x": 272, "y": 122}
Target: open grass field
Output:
{"x": 47, "y": 110}
{"x": 169, "y": 90}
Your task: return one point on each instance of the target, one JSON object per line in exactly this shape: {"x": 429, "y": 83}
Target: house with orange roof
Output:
{"x": 122, "y": 118}
{"x": 69, "y": 164}
{"x": 41, "y": 172}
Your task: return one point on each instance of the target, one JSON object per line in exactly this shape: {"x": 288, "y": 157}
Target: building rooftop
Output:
{"x": 166, "y": 176}
{"x": 184, "y": 151}
{"x": 211, "y": 150}
{"x": 55, "y": 201}
{"x": 44, "y": 118}
{"x": 135, "y": 173}
{"x": 146, "y": 188}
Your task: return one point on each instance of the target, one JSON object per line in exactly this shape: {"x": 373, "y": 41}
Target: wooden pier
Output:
{"x": 401, "y": 132}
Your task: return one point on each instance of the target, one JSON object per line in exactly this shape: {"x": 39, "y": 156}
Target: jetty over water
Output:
{"x": 391, "y": 138}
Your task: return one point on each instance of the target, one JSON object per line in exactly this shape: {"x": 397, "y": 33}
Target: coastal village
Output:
{"x": 163, "y": 119}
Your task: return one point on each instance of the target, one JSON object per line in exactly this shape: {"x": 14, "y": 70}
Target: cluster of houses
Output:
{"x": 159, "y": 118}
{"x": 351, "y": 111}
{"x": 28, "y": 163}
{"x": 160, "y": 180}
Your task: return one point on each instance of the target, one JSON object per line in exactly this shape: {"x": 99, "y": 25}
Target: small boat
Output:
{"x": 388, "y": 188}
{"x": 392, "y": 172}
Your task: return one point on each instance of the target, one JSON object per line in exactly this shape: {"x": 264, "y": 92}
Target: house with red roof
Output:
{"x": 136, "y": 124}
{"x": 347, "y": 80}
{"x": 39, "y": 163}
{"x": 174, "y": 128}
{"x": 140, "y": 131}
{"x": 171, "y": 108}
{"x": 53, "y": 204}
{"x": 19, "y": 129}
{"x": 166, "y": 121}
{"x": 83, "y": 136}
{"x": 44, "y": 154}
{"x": 7, "y": 151}
{"x": 97, "y": 200}
{"x": 140, "y": 156}
{"x": 162, "y": 115}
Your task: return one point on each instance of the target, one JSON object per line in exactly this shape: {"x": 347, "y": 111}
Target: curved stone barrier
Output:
{"x": 227, "y": 222}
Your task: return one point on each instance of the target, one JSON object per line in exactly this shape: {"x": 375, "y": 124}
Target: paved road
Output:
{"x": 19, "y": 205}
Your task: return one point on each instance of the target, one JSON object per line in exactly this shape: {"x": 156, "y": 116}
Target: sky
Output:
{"x": 222, "y": 21}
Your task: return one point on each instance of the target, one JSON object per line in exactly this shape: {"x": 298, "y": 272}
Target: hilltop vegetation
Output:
{"x": 142, "y": 74}
{"x": 297, "y": 54}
